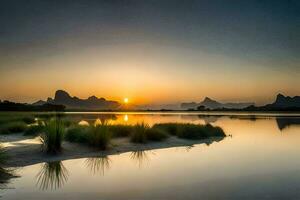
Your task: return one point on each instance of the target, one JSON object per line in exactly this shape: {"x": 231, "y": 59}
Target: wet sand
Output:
{"x": 24, "y": 151}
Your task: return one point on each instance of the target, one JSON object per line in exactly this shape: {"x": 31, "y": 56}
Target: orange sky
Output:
{"x": 145, "y": 74}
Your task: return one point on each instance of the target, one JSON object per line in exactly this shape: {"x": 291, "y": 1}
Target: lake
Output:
{"x": 258, "y": 160}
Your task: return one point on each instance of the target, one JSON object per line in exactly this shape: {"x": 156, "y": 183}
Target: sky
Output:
{"x": 150, "y": 51}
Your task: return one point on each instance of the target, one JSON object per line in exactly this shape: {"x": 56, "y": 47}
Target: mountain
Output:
{"x": 281, "y": 103}
{"x": 213, "y": 104}
{"x": 210, "y": 103}
{"x": 39, "y": 103}
{"x": 92, "y": 103}
{"x": 286, "y": 101}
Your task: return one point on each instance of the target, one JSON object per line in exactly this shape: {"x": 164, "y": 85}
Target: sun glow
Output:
{"x": 126, "y": 100}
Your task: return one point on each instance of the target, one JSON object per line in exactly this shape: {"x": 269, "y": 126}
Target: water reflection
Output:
{"x": 256, "y": 163}
{"x": 215, "y": 139}
{"x": 90, "y": 118}
{"x": 285, "y": 122}
{"x": 188, "y": 148}
{"x": 104, "y": 118}
{"x": 53, "y": 175}
{"x": 209, "y": 119}
{"x": 126, "y": 118}
{"x": 141, "y": 157}
{"x": 5, "y": 176}
{"x": 98, "y": 165}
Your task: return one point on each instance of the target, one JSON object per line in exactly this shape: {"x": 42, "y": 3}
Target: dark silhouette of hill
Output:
{"x": 92, "y": 103}
{"x": 281, "y": 103}
{"x": 39, "y": 103}
{"x": 11, "y": 106}
{"x": 285, "y": 101}
{"x": 209, "y": 103}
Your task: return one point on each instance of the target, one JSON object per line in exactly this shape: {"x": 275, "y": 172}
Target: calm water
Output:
{"x": 260, "y": 160}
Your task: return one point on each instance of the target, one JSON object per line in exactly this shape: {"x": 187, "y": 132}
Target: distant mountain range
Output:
{"x": 62, "y": 100}
{"x": 281, "y": 103}
{"x": 92, "y": 103}
{"x": 213, "y": 104}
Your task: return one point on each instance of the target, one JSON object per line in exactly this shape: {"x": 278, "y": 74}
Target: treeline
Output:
{"x": 11, "y": 106}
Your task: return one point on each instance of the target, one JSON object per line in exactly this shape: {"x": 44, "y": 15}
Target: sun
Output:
{"x": 126, "y": 100}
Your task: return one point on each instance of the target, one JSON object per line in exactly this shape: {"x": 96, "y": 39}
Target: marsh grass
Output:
{"x": 14, "y": 123}
{"x": 13, "y": 127}
{"x": 53, "y": 135}
{"x": 28, "y": 119}
{"x": 214, "y": 131}
{"x": 77, "y": 134}
{"x": 13, "y": 117}
{"x": 170, "y": 128}
{"x": 191, "y": 131}
{"x": 68, "y": 123}
{"x": 155, "y": 134}
{"x": 99, "y": 136}
{"x": 35, "y": 129}
{"x": 120, "y": 130}
{"x": 143, "y": 133}
{"x": 139, "y": 133}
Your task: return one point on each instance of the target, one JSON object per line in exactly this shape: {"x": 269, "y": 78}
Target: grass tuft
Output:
{"x": 28, "y": 120}
{"x": 191, "y": 131}
{"x": 53, "y": 136}
{"x": 120, "y": 130}
{"x": 99, "y": 136}
{"x": 170, "y": 128}
{"x": 155, "y": 134}
{"x": 77, "y": 134}
{"x": 139, "y": 133}
{"x": 34, "y": 129}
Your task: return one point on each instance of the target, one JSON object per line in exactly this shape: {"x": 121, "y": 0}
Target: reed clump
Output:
{"x": 77, "y": 133}
{"x": 120, "y": 130}
{"x": 191, "y": 131}
{"x": 143, "y": 133}
{"x": 53, "y": 135}
{"x": 35, "y": 129}
{"x": 139, "y": 133}
{"x": 99, "y": 136}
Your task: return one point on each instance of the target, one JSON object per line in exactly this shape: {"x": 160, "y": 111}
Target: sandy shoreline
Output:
{"x": 24, "y": 151}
